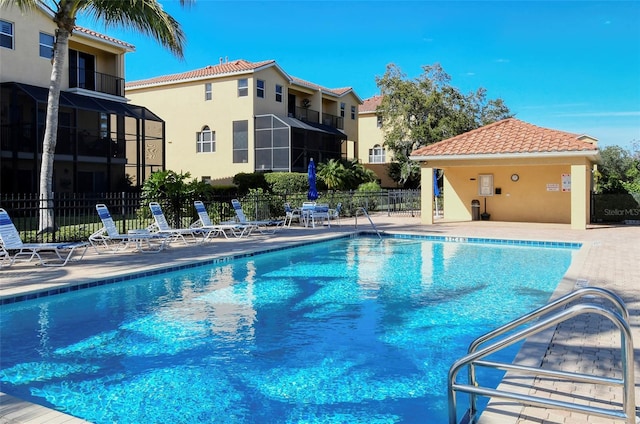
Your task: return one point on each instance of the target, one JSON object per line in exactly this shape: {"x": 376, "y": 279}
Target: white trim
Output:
{"x": 568, "y": 154}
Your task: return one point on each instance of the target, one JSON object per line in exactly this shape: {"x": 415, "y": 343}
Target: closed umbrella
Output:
{"x": 311, "y": 174}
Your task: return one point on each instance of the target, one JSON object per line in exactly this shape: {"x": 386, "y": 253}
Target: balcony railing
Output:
{"x": 308, "y": 115}
{"x": 332, "y": 120}
{"x": 96, "y": 81}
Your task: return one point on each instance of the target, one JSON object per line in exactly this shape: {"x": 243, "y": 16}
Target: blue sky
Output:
{"x": 568, "y": 65}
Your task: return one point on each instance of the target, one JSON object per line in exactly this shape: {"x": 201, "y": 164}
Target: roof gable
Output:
{"x": 509, "y": 136}
{"x": 239, "y": 66}
{"x": 370, "y": 105}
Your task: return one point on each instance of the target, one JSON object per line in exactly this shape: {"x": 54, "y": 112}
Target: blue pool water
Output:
{"x": 348, "y": 331}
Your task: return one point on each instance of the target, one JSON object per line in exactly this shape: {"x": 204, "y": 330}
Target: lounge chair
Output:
{"x": 204, "y": 221}
{"x": 290, "y": 214}
{"x": 335, "y": 213}
{"x": 10, "y": 240}
{"x": 264, "y": 226}
{"x": 161, "y": 226}
{"x": 110, "y": 238}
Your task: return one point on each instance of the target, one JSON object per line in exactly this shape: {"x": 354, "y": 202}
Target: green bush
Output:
{"x": 245, "y": 182}
{"x": 287, "y": 182}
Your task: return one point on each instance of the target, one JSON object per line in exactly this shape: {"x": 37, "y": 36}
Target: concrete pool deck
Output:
{"x": 609, "y": 258}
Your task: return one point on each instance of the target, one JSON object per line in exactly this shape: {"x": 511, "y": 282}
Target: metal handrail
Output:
{"x": 548, "y": 308}
{"x": 619, "y": 318}
{"x": 364, "y": 211}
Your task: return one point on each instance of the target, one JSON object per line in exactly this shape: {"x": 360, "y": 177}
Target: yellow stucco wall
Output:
{"x": 186, "y": 112}
{"x": 533, "y": 198}
{"x": 23, "y": 63}
{"x": 369, "y": 135}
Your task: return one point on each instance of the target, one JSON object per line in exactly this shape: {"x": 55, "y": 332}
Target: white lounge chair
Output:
{"x": 112, "y": 241}
{"x": 161, "y": 226}
{"x": 264, "y": 226}
{"x": 290, "y": 214}
{"x": 204, "y": 221}
{"x": 335, "y": 213}
{"x": 10, "y": 241}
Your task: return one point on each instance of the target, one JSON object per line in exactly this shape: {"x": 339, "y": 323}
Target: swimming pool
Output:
{"x": 353, "y": 330}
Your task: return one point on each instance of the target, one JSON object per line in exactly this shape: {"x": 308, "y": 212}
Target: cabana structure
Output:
{"x": 511, "y": 171}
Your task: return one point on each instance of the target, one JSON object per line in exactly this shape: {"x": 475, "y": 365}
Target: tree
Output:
{"x": 426, "y": 110}
{"x": 172, "y": 189}
{"x": 344, "y": 174}
{"x": 333, "y": 173}
{"x": 146, "y": 16}
{"x": 619, "y": 171}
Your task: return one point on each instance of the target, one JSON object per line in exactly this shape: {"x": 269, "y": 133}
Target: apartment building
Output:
{"x": 371, "y": 150}
{"x": 104, "y": 143}
{"x": 240, "y": 116}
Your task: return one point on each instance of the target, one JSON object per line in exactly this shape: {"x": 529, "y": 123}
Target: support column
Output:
{"x": 579, "y": 197}
{"x": 426, "y": 195}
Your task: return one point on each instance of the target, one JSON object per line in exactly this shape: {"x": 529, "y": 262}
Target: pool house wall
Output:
{"x": 537, "y": 196}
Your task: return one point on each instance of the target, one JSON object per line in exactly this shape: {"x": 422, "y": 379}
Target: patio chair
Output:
{"x": 161, "y": 226}
{"x": 290, "y": 214}
{"x": 204, "y": 221}
{"x": 320, "y": 213}
{"x": 10, "y": 240}
{"x": 262, "y": 226}
{"x": 335, "y": 213}
{"x": 112, "y": 241}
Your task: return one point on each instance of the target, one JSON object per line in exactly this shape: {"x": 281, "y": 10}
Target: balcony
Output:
{"x": 310, "y": 115}
{"x": 307, "y": 115}
{"x": 333, "y": 121}
{"x": 96, "y": 81}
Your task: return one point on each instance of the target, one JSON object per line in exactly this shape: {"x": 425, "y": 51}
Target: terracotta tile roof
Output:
{"x": 370, "y": 105}
{"x": 508, "y": 136}
{"x": 228, "y": 67}
{"x": 334, "y": 91}
{"x": 95, "y": 34}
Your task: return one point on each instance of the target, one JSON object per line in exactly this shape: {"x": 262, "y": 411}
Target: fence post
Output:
{"x": 123, "y": 212}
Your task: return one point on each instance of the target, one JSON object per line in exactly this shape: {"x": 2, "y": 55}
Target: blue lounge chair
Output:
{"x": 10, "y": 241}
{"x": 263, "y": 226}
{"x": 112, "y": 241}
{"x": 204, "y": 221}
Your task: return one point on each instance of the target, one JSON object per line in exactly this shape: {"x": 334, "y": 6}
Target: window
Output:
{"x": 377, "y": 154}
{"x": 260, "y": 88}
{"x": 342, "y": 106}
{"x": 205, "y": 141}
{"x": 208, "y": 93}
{"x": 379, "y": 121}
{"x": 6, "y": 34}
{"x": 353, "y": 112}
{"x": 46, "y": 45}
{"x": 240, "y": 141}
{"x": 243, "y": 87}
{"x": 278, "y": 93}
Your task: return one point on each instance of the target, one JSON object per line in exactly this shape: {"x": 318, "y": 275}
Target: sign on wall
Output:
{"x": 566, "y": 182}
{"x": 485, "y": 185}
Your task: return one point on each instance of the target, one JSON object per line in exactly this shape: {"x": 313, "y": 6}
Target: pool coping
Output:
{"x": 97, "y": 282}
{"x": 16, "y": 410}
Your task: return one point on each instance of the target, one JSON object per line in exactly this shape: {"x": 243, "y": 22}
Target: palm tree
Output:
{"x": 146, "y": 16}
{"x": 333, "y": 173}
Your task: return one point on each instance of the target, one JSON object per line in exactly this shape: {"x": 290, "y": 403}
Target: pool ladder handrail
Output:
{"x": 620, "y": 317}
{"x": 364, "y": 211}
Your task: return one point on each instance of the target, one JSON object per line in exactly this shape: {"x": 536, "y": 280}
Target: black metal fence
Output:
{"x": 75, "y": 216}
{"x": 615, "y": 208}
